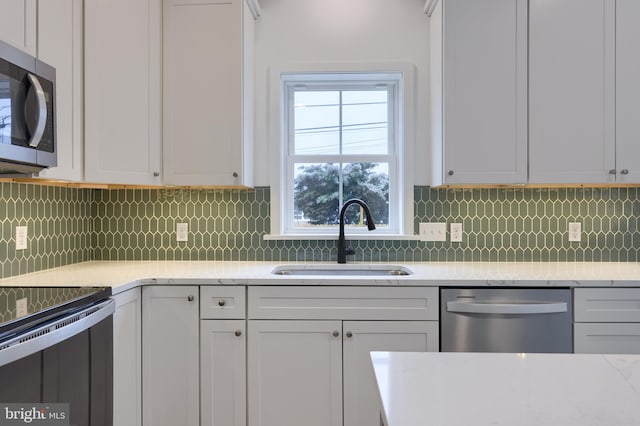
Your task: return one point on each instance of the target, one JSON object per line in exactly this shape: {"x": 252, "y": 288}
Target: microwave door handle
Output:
{"x": 41, "y": 113}
{"x": 506, "y": 308}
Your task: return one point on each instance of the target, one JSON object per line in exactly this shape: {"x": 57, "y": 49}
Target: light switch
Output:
{"x": 433, "y": 231}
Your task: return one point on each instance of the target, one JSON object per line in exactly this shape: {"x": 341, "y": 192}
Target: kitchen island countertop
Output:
{"x": 487, "y": 389}
{"x": 122, "y": 275}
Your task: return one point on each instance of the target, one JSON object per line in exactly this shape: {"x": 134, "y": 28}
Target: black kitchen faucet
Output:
{"x": 342, "y": 250}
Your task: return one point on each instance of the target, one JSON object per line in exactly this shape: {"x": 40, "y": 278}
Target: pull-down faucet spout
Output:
{"x": 342, "y": 250}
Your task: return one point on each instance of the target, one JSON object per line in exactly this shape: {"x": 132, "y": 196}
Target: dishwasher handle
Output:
{"x": 506, "y": 308}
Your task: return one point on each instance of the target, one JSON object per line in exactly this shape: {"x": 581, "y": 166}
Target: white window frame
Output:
{"x": 400, "y": 168}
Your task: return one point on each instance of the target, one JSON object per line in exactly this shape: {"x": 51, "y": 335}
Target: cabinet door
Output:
{"x": 627, "y": 91}
{"x": 18, "y": 24}
{"x": 485, "y": 91}
{"x": 170, "y": 363}
{"x": 361, "y": 398}
{"x": 203, "y": 78}
{"x": 127, "y": 353}
{"x": 607, "y": 338}
{"x": 223, "y": 386}
{"x": 60, "y": 45}
{"x": 122, "y": 91}
{"x": 295, "y": 373}
{"x": 571, "y": 91}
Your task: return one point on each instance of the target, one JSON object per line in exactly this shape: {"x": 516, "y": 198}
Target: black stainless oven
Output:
{"x": 27, "y": 112}
{"x": 60, "y": 354}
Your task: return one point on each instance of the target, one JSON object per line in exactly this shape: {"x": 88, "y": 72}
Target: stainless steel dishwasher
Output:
{"x": 506, "y": 320}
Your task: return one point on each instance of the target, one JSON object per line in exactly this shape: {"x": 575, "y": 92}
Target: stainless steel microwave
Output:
{"x": 27, "y": 112}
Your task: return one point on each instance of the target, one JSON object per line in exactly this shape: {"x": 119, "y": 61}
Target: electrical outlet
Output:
{"x": 21, "y": 237}
{"x": 455, "y": 229}
{"x": 21, "y": 307}
{"x": 575, "y": 231}
{"x": 182, "y": 232}
{"x": 434, "y": 231}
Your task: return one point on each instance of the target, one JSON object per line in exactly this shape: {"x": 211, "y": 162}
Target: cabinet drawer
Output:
{"x": 607, "y": 304}
{"x": 346, "y": 303}
{"x": 620, "y": 338}
{"x": 222, "y": 302}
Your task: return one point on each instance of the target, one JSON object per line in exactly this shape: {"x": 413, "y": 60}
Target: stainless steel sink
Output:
{"x": 343, "y": 270}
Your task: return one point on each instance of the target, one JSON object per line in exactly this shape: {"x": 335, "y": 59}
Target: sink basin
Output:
{"x": 343, "y": 270}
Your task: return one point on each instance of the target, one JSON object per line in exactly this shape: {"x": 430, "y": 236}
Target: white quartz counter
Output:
{"x": 462, "y": 389}
{"x": 121, "y": 275}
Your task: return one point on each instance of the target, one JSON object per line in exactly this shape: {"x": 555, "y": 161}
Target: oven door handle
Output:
{"x": 506, "y": 308}
{"x": 54, "y": 332}
{"x": 41, "y": 111}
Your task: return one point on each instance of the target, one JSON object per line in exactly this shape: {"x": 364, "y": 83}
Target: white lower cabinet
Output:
{"x": 223, "y": 386}
{"x": 127, "y": 362}
{"x": 171, "y": 358}
{"x": 607, "y": 320}
{"x": 599, "y": 338}
{"x": 314, "y": 369}
{"x": 263, "y": 355}
{"x": 360, "y": 392}
{"x": 295, "y": 373}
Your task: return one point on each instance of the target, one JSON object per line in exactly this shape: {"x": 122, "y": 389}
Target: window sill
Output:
{"x": 272, "y": 237}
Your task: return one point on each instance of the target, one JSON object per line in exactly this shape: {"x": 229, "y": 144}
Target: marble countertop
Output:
{"x": 121, "y": 275}
{"x": 480, "y": 389}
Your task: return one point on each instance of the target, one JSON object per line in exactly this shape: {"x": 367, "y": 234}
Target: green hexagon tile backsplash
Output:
{"x": 505, "y": 224}
{"x": 59, "y": 227}
{"x": 69, "y": 225}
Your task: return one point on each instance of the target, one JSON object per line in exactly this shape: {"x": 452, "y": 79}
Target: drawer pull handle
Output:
{"x": 222, "y": 303}
{"x": 190, "y": 298}
{"x": 238, "y": 333}
{"x": 336, "y": 333}
{"x": 349, "y": 334}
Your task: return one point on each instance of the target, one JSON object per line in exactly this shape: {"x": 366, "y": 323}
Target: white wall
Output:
{"x": 340, "y": 31}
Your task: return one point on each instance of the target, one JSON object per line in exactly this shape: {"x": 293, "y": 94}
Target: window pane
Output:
{"x": 365, "y": 122}
{"x": 317, "y": 122}
{"x": 370, "y": 183}
{"x": 316, "y": 196}
{"x": 317, "y": 199}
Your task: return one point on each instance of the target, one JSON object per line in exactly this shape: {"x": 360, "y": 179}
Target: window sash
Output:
{"x": 291, "y": 86}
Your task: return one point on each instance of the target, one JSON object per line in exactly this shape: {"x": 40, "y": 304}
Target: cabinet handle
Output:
{"x": 221, "y": 303}
{"x": 235, "y": 174}
{"x": 450, "y": 173}
{"x": 612, "y": 171}
{"x": 156, "y": 174}
{"x": 349, "y": 334}
{"x": 191, "y": 298}
{"x": 238, "y": 333}
{"x": 624, "y": 172}
{"x": 336, "y": 333}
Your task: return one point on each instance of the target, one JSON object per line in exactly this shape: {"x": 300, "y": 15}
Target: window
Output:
{"x": 341, "y": 139}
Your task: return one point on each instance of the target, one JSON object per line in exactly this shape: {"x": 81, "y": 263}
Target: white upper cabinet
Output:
{"x": 627, "y": 91}
{"x": 479, "y": 91}
{"x": 122, "y": 91}
{"x": 18, "y": 24}
{"x": 60, "y": 45}
{"x": 208, "y": 92}
{"x": 571, "y": 91}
